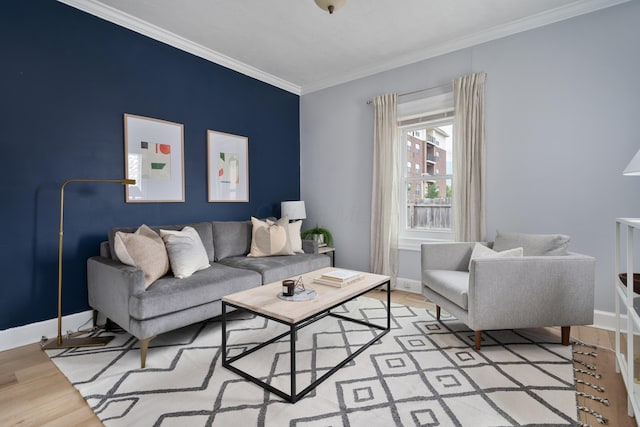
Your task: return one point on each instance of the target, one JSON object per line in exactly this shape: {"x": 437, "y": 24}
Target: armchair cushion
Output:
{"x": 532, "y": 244}
{"x": 451, "y": 284}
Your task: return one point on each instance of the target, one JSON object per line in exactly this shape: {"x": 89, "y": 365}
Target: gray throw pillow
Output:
{"x": 532, "y": 244}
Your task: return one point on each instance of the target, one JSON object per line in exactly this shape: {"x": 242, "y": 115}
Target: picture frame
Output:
{"x": 154, "y": 157}
{"x": 227, "y": 167}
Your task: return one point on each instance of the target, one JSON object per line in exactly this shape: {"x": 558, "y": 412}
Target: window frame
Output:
{"x": 411, "y": 239}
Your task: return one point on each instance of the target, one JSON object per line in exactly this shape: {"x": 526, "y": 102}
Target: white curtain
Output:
{"x": 384, "y": 197}
{"x": 469, "y": 159}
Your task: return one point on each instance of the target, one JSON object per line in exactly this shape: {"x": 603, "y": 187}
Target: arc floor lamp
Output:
{"x": 66, "y": 342}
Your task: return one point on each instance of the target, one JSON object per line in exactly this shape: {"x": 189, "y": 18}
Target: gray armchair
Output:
{"x": 509, "y": 293}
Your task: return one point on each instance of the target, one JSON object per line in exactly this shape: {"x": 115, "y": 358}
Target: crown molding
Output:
{"x": 145, "y": 28}
{"x": 562, "y": 13}
{"x": 108, "y": 13}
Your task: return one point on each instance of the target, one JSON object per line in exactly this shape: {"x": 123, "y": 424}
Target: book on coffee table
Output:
{"x": 338, "y": 277}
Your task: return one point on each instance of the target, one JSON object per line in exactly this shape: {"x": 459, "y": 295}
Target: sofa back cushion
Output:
{"x": 532, "y": 244}
{"x": 231, "y": 238}
{"x": 203, "y": 229}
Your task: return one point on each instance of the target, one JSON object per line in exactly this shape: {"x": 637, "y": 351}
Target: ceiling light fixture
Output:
{"x": 330, "y": 5}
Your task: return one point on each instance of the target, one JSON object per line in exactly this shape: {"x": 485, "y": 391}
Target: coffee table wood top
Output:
{"x": 264, "y": 299}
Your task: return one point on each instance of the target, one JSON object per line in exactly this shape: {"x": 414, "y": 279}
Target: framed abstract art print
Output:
{"x": 227, "y": 167}
{"x": 154, "y": 157}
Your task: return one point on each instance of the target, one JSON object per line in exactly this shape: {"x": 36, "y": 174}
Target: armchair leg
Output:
{"x": 437, "y": 312}
{"x": 478, "y": 339}
{"x": 144, "y": 346}
{"x": 566, "y": 332}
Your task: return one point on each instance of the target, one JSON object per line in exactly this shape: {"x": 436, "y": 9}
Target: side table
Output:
{"x": 328, "y": 250}
{"x": 312, "y": 247}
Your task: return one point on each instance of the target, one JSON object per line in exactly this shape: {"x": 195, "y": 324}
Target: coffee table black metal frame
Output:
{"x": 294, "y": 396}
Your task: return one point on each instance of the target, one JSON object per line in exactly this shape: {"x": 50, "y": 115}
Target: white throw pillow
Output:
{"x": 481, "y": 251}
{"x": 294, "y": 237}
{"x": 269, "y": 238}
{"x": 186, "y": 251}
{"x": 143, "y": 249}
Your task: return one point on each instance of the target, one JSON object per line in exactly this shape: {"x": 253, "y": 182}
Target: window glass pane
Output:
{"x": 432, "y": 209}
{"x": 428, "y": 183}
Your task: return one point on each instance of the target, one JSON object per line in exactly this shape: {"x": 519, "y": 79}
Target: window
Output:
{"x": 417, "y": 148}
{"x": 426, "y": 212}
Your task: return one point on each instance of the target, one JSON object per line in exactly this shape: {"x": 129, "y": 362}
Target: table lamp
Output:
{"x": 294, "y": 210}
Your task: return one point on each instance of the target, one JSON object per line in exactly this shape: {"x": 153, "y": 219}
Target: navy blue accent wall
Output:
{"x": 66, "y": 79}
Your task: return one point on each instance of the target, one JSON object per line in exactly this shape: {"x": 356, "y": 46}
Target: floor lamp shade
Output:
{"x": 633, "y": 168}
{"x": 293, "y": 210}
{"x": 61, "y": 342}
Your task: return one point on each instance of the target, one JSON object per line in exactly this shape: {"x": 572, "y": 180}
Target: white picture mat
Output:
{"x": 155, "y": 131}
{"x": 219, "y": 191}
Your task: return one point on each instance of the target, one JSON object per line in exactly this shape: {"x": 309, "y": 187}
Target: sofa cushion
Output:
{"x": 231, "y": 238}
{"x": 277, "y": 268}
{"x": 186, "y": 251}
{"x": 294, "y": 237}
{"x": 143, "y": 249}
{"x": 203, "y": 229}
{"x": 270, "y": 238}
{"x": 453, "y": 285}
{"x": 532, "y": 244}
{"x": 481, "y": 251}
{"x": 169, "y": 295}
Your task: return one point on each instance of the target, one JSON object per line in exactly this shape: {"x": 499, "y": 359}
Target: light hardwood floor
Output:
{"x": 34, "y": 393}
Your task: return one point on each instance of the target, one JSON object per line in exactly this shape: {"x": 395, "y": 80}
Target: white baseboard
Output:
{"x": 28, "y": 334}
{"x": 409, "y": 285}
{"x": 33, "y": 332}
{"x": 607, "y": 320}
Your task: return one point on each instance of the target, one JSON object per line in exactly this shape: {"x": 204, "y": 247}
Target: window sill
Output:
{"x": 413, "y": 243}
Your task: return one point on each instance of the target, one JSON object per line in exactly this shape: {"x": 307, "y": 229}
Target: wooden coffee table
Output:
{"x": 264, "y": 301}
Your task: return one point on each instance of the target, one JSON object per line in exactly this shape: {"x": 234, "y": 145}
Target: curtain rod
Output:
{"x": 419, "y": 90}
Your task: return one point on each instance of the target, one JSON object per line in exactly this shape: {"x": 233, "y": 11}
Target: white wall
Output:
{"x": 562, "y": 104}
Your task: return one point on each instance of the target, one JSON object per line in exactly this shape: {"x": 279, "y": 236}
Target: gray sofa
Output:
{"x": 541, "y": 288}
{"x": 118, "y": 292}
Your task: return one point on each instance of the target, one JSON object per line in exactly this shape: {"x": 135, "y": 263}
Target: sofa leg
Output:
{"x": 437, "y": 312}
{"x": 566, "y": 334}
{"x": 478, "y": 339}
{"x": 144, "y": 346}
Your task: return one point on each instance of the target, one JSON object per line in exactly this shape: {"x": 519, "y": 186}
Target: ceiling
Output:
{"x": 296, "y": 46}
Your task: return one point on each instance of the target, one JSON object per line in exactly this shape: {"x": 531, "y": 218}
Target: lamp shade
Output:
{"x": 633, "y": 168}
{"x": 293, "y": 210}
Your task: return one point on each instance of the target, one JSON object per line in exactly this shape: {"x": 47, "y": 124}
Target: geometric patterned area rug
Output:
{"x": 422, "y": 373}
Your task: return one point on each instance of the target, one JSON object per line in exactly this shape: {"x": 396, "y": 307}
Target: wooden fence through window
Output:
{"x": 429, "y": 214}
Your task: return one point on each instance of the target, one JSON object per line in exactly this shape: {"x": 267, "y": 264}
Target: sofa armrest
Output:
{"x": 110, "y": 284}
{"x": 446, "y": 256}
{"x": 531, "y": 291}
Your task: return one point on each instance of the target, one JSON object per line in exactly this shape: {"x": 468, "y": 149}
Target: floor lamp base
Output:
{"x": 77, "y": 342}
